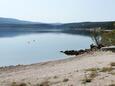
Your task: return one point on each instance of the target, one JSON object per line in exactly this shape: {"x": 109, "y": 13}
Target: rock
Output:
{"x": 81, "y": 51}
{"x": 94, "y": 47}
{"x": 88, "y": 50}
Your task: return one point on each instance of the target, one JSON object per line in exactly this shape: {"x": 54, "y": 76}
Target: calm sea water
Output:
{"x": 38, "y": 47}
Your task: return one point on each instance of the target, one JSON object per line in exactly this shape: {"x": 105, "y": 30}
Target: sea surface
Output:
{"x": 34, "y": 47}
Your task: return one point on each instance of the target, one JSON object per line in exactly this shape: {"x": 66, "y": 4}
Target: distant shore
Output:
{"x": 93, "y": 69}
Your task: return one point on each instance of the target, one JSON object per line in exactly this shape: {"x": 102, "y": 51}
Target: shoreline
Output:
{"x": 41, "y": 63}
{"x": 64, "y": 72}
{"x": 70, "y": 57}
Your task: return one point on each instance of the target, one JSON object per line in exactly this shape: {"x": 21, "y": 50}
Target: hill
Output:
{"x": 15, "y": 23}
{"x": 104, "y": 25}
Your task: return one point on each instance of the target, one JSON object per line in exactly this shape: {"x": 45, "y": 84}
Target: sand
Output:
{"x": 66, "y": 72}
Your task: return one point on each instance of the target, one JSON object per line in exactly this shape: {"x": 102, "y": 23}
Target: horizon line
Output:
{"x": 57, "y": 22}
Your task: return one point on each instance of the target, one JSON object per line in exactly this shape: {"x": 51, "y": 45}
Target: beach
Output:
{"x": 73, "y": 71}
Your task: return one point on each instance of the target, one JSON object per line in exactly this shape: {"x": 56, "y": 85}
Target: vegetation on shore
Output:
{"x": 92, "y": 73}
{"x": 101, "y": 39}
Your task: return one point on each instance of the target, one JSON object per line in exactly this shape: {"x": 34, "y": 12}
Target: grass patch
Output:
{"x": 92, "y": 69}
{"x": 16, "y": 84}
{"x": 66, "y": 80}
{"x": 46, "y": 83}
{"x": 93, "y": 74}
{"x": 112, "y": 63}
{"x": 112, "y": 73}
{"x": 112, "y": 85}
{"x": 106, "y": 69}
{"x": 55, "y": 77}
{"x": 90, "y": 77}
{"x": 86, "y": 80}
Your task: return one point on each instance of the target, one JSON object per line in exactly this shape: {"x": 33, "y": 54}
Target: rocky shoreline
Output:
{"x": 79, "y": 52}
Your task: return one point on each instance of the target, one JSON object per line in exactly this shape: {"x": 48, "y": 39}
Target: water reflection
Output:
{"x": 19, "y": 47}
{"x": 19, "y": 33}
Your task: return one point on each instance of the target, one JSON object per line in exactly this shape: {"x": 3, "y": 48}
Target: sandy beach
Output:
{"x": 93, "y": 69}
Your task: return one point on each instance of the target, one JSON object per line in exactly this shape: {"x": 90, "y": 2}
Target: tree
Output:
{"x": 96, "y": 36}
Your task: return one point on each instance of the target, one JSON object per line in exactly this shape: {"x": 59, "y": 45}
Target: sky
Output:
{"x": 58, "y": 11}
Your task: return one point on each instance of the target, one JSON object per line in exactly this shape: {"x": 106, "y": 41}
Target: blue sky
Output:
{"x": 58, "y": 10}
